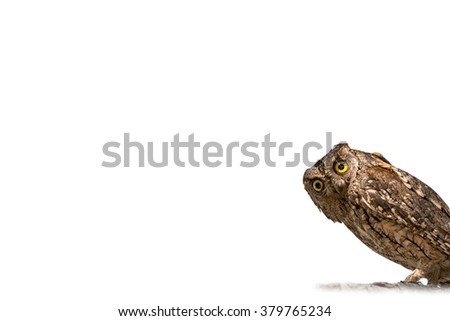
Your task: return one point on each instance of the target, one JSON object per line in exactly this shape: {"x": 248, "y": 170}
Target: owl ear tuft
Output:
{"x": 380, "y": 156}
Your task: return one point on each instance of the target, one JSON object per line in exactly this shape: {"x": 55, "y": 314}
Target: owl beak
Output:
{"x": 340, "y": 187}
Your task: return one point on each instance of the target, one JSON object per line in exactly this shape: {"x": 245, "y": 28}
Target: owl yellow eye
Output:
{"x": 340, "y": 167}
{"x": 317, "y": 185}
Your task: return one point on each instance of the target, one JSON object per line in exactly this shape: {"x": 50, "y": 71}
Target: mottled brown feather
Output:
{"x": 389, "y": 210}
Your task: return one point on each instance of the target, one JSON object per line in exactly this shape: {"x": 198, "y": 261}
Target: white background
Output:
{"x": 78, "y": 241}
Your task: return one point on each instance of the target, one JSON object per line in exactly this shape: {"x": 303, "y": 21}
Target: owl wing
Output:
{"x": 392, "y": 194}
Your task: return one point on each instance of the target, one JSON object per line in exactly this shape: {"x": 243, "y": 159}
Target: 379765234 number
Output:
{"x": 296, "y": 311}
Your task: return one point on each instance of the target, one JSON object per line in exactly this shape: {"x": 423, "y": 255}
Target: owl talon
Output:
{"x": 431, "y": 274}
{"x": 415, "y": 276}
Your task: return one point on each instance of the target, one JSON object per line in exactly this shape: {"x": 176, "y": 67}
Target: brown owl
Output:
{"x": 389, "y": 210}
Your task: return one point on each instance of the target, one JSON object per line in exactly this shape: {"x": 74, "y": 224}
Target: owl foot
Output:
{"x": 431, "y": 273}
{"x": 415, "y": 276}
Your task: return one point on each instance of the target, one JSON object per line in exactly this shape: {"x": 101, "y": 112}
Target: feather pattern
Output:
{"x": 392, "y": 212}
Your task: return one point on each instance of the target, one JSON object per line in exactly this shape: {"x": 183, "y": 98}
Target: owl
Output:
{"x": 392, "y": 212}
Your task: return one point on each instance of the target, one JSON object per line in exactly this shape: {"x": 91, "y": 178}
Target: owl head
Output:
{"x": 328, "y": 181}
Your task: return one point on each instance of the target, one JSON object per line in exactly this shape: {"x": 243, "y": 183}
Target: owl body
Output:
{"x": 389, "y": 210}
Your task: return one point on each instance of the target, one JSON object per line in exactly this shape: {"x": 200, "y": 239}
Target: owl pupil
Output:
{"x": 341, "y": 167}
{"x": 318, "y": 185}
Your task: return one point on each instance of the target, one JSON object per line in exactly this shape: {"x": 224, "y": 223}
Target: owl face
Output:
{"x": 328, "y": 181}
